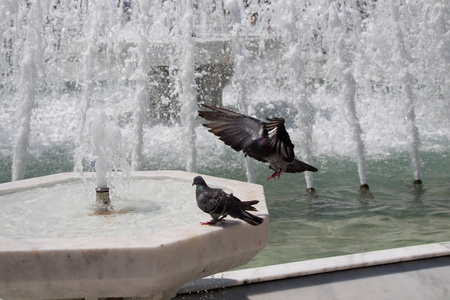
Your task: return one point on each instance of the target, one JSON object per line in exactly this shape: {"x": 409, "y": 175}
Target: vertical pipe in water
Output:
{"x": 28, "y": 81}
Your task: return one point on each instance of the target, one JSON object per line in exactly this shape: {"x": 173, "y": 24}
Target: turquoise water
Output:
{"x": 338, "y": 219}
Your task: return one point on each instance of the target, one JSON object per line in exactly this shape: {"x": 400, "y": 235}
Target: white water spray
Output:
{"x": 102, "y": 144}
{"x": 140, "y": 102}
{"x": 101, "y": 141}
{"x": 241, "y": 69}
{"x": 29, "y": 85}
{"x": 340, "y": 28}
{"x": 188, "y": 95}
{"x": 94, "y": 57}
{"x": 89, "y": 76}
{"x": 406, "y": 81}
{"x": 293, "y": 30}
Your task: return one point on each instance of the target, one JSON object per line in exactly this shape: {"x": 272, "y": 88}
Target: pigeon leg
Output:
{"x": 272, "y": 176}
{"x": 275, "y": 174}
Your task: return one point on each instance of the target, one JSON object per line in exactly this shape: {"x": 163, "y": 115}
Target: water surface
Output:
{"x": 340, "y": 220}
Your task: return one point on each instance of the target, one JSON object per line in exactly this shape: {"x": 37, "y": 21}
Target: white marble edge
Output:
{"x": 9, "y": 187}
{"x": 240, "y": 189}
{"x": 317, "y": 266}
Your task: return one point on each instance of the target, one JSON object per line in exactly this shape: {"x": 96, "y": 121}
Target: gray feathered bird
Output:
{"x": 219, "y": 204}
{"x": 263, "y": 141}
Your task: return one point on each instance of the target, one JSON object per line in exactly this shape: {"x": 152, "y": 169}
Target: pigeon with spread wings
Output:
{"x": 263, "y": 141}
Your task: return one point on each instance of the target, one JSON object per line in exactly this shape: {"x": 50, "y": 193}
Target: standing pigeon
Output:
{"x": 263, "y": 141}
{"x": 219, "y": 204}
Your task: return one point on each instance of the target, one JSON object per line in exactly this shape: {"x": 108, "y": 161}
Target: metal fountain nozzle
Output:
{"x": 102, "y": 197}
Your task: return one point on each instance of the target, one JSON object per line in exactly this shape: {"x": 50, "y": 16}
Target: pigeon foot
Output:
{"x": 212, "y": 222}
{"x": 275, "y": 174}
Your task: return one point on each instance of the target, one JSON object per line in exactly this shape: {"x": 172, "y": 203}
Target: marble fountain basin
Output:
{"x": 152, "y": 264}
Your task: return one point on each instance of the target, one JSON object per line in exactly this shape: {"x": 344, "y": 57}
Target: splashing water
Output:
{"x": 101, "y": 145}
{"x": 333, "y": 70}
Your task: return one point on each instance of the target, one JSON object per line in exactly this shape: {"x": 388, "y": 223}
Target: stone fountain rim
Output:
{"x": 153, "y": 239}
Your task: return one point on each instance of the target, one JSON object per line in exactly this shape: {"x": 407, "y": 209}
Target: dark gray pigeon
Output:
{"x": 263, "y": 141}
{"x": 219, "y": 204}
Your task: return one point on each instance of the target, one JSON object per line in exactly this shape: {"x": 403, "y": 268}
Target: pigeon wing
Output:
{"x": 216, "y": 201}
{"x": 234, "y": 129}
{"x": 279, "y": 141}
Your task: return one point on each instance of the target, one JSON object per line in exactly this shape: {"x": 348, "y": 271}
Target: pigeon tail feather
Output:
{"x": 247, "y": 217}
{"x": 247, "y": 205}
{"x": 297, "y": 166}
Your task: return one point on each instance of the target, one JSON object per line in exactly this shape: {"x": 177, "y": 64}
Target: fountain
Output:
{"x": 148, "y": 246}
{"x": 363, "y": 86}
